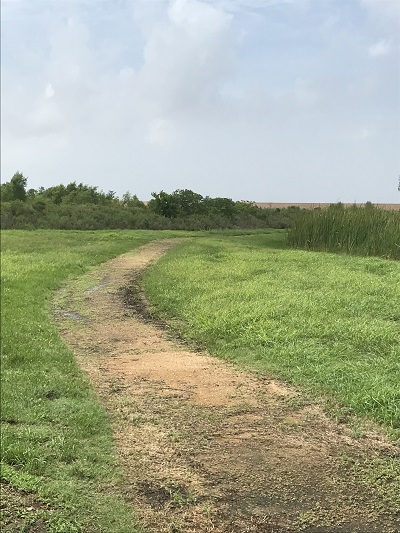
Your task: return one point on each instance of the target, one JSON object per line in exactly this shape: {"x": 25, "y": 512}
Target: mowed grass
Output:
{"x": 328, "y": 323}
{"x": 56, "y": 439}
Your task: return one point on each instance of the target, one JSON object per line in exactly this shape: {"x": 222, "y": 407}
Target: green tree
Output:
{"x": 55, "y": 194}
{"x": 164, "y": 204}
{"x": 189, "y": 202}
{"x": 131, "y": 200}
{"x": 221, "y": 206}
{"x": 15, "y": 189}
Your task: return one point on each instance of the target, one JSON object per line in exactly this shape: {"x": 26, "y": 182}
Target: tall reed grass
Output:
{"x": 353, "y": 230}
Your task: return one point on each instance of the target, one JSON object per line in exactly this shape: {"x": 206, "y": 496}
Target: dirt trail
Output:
{"x": 206, "y": 447}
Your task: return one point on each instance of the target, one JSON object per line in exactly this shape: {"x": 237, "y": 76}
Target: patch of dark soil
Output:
{"x": 171, "y": 494}
{"x": 134, "y": 299}
{"x": 52, "y": 395}
{"x": 21, "y": 511}
{"x": 156, "y": 496}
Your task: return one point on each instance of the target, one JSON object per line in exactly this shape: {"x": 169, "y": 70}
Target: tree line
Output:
{"x": 83, "y": 207}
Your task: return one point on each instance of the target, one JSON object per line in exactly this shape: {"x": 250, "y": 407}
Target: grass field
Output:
{"x": 56, "y": 440}
{"x": 328, "y": 323}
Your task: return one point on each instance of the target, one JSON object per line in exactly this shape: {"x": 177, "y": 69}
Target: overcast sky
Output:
{"x": 265, "y": 100}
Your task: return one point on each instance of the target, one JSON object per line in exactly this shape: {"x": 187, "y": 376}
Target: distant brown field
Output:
{"x": 391, "y": 207}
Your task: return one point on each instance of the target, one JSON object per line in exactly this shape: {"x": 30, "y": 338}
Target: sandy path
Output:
{"x": 206, "y": 447}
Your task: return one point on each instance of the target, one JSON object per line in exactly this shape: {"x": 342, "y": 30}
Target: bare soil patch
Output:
{"x": 204, "y": 446}
{"x": 21, "y": 511}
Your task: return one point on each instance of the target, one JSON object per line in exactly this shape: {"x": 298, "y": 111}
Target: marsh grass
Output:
{"x": 326, "y": 322}
{"x": 353, "y": 230}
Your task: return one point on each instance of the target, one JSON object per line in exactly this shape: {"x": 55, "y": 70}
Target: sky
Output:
{"x": 259, "y": 100}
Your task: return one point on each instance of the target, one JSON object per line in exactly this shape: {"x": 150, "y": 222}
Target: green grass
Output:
{"x": 354, "y": 230}
{"x": 56, "y": 439}
{"x": 328, "y": 323}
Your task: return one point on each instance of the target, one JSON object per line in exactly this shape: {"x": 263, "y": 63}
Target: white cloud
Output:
{"x": 198, "y": 19}
{"x": 208, "y": 95}
{"x": 380, "y": 48}
{"x": 383, "y": 8}
{"x": 161, "y": 132}
{"x": 49, "y": 91}
{"x": 236, "y": 5}
{"x": 185, "y": 58}
{"x": 45, "y": 119}
{"x": 305, "y": 94}
{"x": 362, "y": 133}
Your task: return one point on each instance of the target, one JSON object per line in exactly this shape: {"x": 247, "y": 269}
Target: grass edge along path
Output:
{"x": 325, "y": 322}
{"x": 56, "y": 439}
